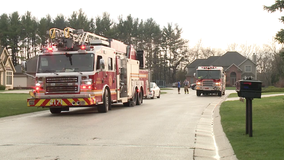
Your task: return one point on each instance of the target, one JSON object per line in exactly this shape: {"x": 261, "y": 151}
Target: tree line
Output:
{"x": 167, "y": 53}
{"x": 164, "y": 48}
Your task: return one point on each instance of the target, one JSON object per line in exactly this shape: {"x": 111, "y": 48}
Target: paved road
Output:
{"x": 176, "y": 126}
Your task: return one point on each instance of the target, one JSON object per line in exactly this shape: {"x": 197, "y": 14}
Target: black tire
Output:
{"x": 159, "y": 95}
{"x": 134, "y": 100}
{"x": 55, "y": 110}
{"x": 106, "y": 103}
{"x": 153, "y": 95}
{"x": 140, "y": 98}
{"x": 198, "y": 93}
{"x": 220, "y": 93}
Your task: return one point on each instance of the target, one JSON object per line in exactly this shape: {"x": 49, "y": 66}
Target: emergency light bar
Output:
{"x": 208, "y": 67}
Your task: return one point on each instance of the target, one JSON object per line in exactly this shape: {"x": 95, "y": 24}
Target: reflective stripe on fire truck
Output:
{"x": 61, "y": 102}
{"x": 134, "y": 75}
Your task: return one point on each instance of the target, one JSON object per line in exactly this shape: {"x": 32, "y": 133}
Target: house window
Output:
{"x": 248, "y": 69}
{"x": 9, "y": 77}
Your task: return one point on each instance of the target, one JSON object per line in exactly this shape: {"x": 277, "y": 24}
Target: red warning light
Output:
{"x": 83, "y": 47}
{"x": 49, "y": 48}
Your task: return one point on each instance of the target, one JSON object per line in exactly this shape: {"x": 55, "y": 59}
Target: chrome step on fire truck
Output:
{"x": 210, "y": 79}
{"x": 82, "y": 69}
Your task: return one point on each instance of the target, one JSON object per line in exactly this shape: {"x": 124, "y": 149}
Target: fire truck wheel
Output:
{"x": 220, "y": 93}
{"x": 106, "y": 103}
{"x": 55, "y": 110}
{"x": 198, "y": 93}
{"x": 134, "y": 100}
{"x": 140, "y": 98}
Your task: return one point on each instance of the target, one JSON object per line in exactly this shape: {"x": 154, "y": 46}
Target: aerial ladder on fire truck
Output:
{"x": 71, "y": 38}
{"x": 79, "y": 36}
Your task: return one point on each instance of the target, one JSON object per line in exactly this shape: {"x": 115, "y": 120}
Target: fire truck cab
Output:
{"x": 86, "y": 70}
{"x": 210, "y": 80}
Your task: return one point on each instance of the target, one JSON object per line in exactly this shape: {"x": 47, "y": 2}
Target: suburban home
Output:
{"x": 25, "y": 80}
{"x": 7, "y": 69}
{"x": 235, "y": 66}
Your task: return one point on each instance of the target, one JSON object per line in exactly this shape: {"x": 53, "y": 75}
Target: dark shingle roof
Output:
{"x": 196, "y": 63}
{"x": 229, "y": 58}
{"x": 209, "y": 61}
{"x": 31, "y": 65}
{"x": 18, "y": 68}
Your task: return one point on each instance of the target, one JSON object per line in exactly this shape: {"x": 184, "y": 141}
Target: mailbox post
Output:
{"x": 249, "y": 89}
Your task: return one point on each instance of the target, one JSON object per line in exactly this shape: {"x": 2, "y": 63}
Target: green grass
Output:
{"x": 268, "y": 138}
{"x": 14, "y": 104}
{"x": 166, "y": 88}
{"x": 266, "y": 93}
{"x": 230, "y": 88}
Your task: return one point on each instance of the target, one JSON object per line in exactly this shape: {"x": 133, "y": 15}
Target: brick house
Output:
{"x": 235, "y": 66}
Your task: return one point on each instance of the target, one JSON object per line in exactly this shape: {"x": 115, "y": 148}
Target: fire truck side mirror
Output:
{"x": 102, "y": 64}
{"x": 193, "y": 74}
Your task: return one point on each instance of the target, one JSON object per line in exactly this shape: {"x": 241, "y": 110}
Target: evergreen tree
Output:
{"x": 60, "y": 22}
{"x": 43, "y": 27}
{"x": 4, "y": 26}
{"x": 79, "y": 20}
{"x": 14, "y": 32}
{"x": 104, "y": 26}
{"x": 127, "y": 30}
{"x": 175, "y": 49}
{"x": 279, "y": 5}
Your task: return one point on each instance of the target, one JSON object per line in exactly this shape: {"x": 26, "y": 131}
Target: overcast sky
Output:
{"x": 217, "y": 23}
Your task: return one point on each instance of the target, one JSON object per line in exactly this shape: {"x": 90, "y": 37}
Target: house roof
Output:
{"x": 31, "y": 65}
{"x": 6, "y": 59}
{"x": 229, "y": 58}
{"x": 196, "y": 63}
{"x": 209, "y": 60}
{"x": 233, "y": 65}
{"x": 18, "y": 69}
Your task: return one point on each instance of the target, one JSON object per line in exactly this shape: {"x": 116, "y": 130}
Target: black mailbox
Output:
{"x": 249, "y": 88}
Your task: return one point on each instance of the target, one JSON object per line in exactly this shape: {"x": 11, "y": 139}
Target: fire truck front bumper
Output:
{"x": 205, "y": 88}
{"x": 61, "y": 102}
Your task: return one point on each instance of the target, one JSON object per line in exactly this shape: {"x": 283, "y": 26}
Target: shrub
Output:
{"x": 2, "y": 87}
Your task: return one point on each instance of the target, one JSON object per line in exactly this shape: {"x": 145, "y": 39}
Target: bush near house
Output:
{"x": 2, "y": 87}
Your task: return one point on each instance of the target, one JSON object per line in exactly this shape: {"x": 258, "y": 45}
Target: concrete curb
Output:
{"x": 225, "y": 148}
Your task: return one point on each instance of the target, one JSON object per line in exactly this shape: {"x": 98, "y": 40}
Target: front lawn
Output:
{"x": 268, "y": 138}
{"x": 14, "y": 104}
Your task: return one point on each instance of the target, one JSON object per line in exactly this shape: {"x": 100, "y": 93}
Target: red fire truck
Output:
{"x": 82, "y": 69}
{"x": 210, "y": 79}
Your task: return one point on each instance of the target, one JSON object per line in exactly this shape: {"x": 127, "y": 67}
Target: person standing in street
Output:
{"x": 178, "y": 85}
{"x": 186, "y": 84}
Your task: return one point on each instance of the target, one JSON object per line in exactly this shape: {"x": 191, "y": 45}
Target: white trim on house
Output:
{"x": 7, "y": 69}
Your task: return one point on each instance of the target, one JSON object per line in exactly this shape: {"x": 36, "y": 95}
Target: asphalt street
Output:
{"x": 195, "y": 132}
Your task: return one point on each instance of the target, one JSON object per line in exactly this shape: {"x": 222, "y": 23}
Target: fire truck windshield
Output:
{"x": 65, "y": 63}
{"x": 208, "y": 74}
